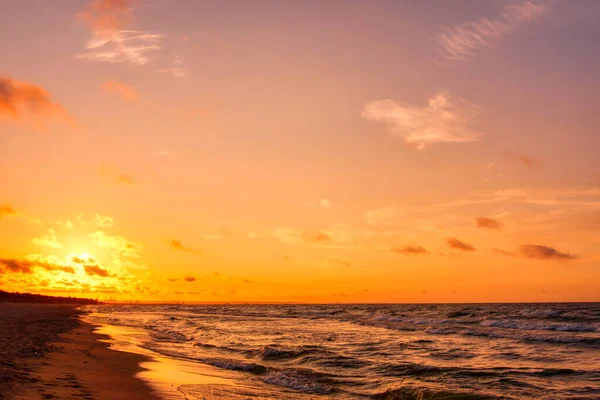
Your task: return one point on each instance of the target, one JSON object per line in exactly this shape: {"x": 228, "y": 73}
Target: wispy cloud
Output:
{"x": 410, "y": 250}
{"x": 48, "y": 240}
{"x": 459, "y": 245}
{"x": 20, "y": 100}
{"x": 116, "y": 175}
{"x": 111, "y": 42}
{"x": 118, "y": 245}
{"x": 442, "y": 120}
{"x": 176, "y": 244}
{"x": 488, "y": 223}
{"x": 299, "y": 236}
{"x": 462, "y": 42}
{"x": 176, "y": 69}
{"x": 322, "y": 203}
{"x": 527, "y": 161}
{"x": 125, "y": 92}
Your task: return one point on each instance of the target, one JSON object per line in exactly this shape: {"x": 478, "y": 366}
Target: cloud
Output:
{"x": 441, "y": 120}
{"x": 48, "y": 240}
{"x": 77, "y": 259}
{"x": 22, "y": 99}
{"x": 103, "y": 221}
{"x": 26, "y": 266}
{"x": 410, "y": 250}
{"x": 382, "y": 215}
{"x": 503, "y": 252}
{"x": 5, "y": 209}
{"x": 176, "y": 70}
{"x": 189, "y": 278}
{"x": 522, "y": 159}
{"x": 116, "y": 175}
{"x": 118, "y": 245}
{"x": 176, "y": 244}
{"x": 253, "y": 235}
{"x": 67, "y": 224}
{"x": 125, "y": 92}
{"x": 298, "y": 236}
{"x": 540, "y": 252}
{"x": 488, "y": 223}
{"x": 457, "y": 244}
{"x": 462, "y": 42}
{"x": 322, "y": 203}
{"x": 96, "y": 270}
{"x": 111, "y": 42}
{"x": 315, "y": 237}
{"x": 123, "y": 46}
{"x": 105, "y": 17}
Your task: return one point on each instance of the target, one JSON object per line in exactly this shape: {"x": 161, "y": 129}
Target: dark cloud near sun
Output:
{"x": 189, "y": 278}
{"x": 25, "y": 266}
{"x": 488, "y": 223}
{"x": 96, "y": 270}
{"x": 410, "y": 250}
{"x": 459, "y": 245}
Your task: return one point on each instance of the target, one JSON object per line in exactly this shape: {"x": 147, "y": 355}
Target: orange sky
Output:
{"x": 285, "y": 151}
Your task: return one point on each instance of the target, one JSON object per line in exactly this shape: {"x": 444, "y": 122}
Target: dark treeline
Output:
{"x": 39, "y": 298}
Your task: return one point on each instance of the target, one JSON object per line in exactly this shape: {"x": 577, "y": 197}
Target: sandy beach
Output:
{"x": 47, "y": 352}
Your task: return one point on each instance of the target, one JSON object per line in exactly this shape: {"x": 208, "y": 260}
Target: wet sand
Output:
{"x": 47, "y": 352}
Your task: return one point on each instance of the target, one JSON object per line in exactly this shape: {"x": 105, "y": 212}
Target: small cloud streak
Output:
{"x": 529, "y": 162}
{"x": 322, "y": 203}
{"x": 189, "y": 278}
{"x": 5, "y": 210}
{"x": 441, "y": 120}
{"x": 23, "y": 99}
{"x": 302, "y": 237}
{"x": 541, "y": 252}
{"x": 125, "y": 92}
{"x": 176, "y": 244}
{"x": 462, "y": 42}
{"x": 459, "y": 245}
{"x": 48, "y": 240}
{"x": 410, "y": 250}
{"x": 488, "y": 223}
{"x": 115, "y": 175}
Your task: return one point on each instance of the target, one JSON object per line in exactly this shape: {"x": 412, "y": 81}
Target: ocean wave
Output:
{"x": 408, "y": 393}
{"x": 540, "y": 326}
{"x": 235, "y": 365}
{"x": 301, "y": 380}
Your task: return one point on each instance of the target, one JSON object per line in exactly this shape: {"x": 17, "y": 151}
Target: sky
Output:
{"x": 301, "y": 151}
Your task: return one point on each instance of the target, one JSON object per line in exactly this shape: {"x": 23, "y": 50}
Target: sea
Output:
{"x": 370, "y": 351}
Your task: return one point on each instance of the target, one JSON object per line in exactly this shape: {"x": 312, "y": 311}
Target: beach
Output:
{"x": 47, "y": 352}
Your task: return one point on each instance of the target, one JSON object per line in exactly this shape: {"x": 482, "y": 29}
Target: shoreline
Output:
{"x": 76, "y": 362}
